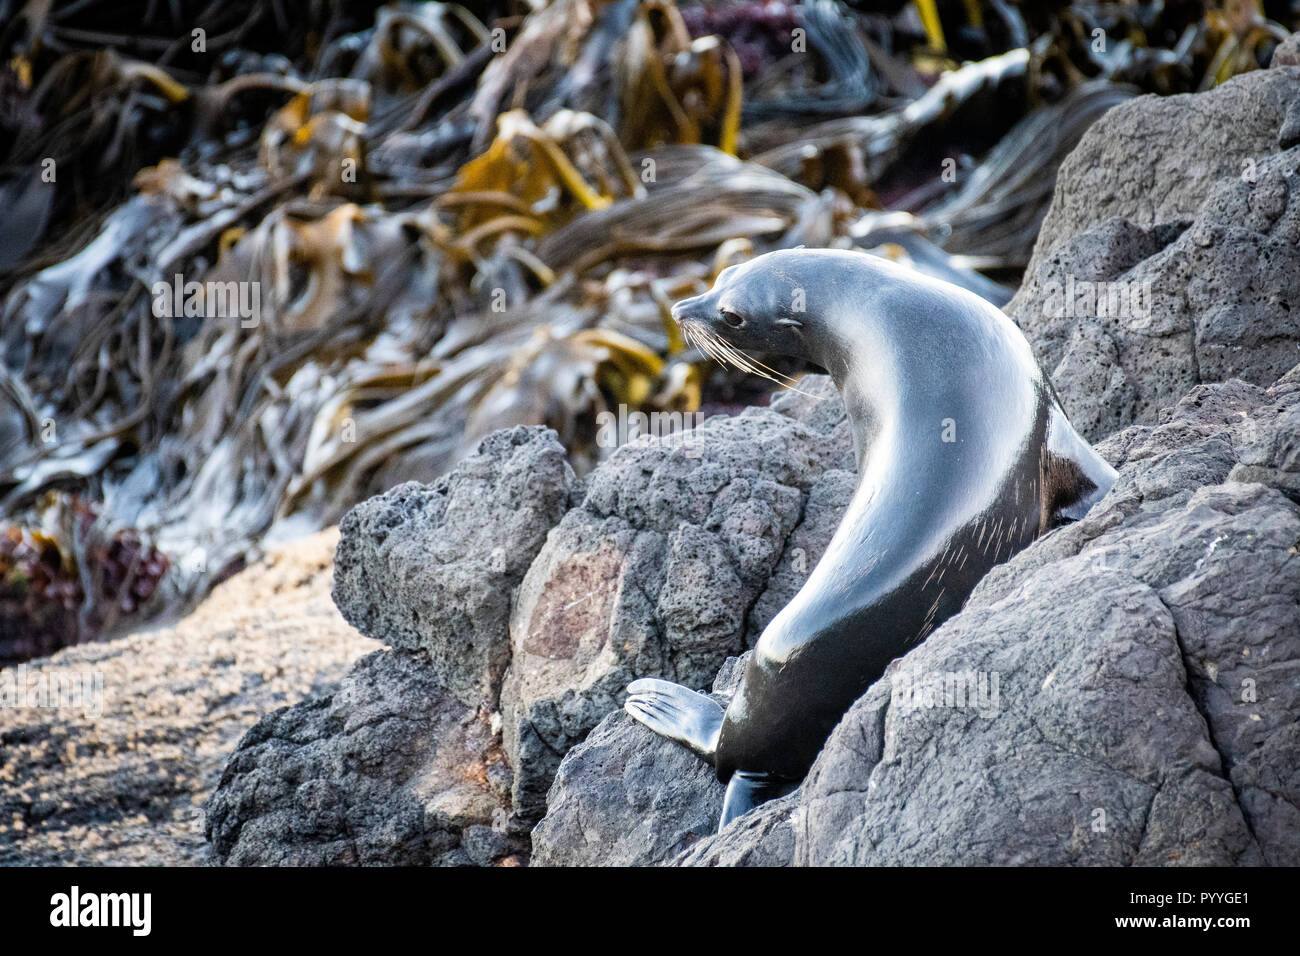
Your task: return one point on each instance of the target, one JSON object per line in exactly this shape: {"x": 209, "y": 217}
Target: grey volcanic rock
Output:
{"x": 828, "y": 499}
{"x": 1153, "y": 159}
{"x": 628, "y": 797}
{"x": 403, "y": 765}
{"x": 1270, "y": 454}
{"x": 1146, "y": 658}
{"x": 818, "y": 405}
{"x": 434, "y": 566}
{"x": 1221, "y": 293}
{"x": 657, "y": 571}
{"x": 389, "y": 769}
{"x": 763, "y": 837}
{"x": 1119, "y": 672}
{"x": 1123, "y": 691}
{"x": 1287, "y": 53}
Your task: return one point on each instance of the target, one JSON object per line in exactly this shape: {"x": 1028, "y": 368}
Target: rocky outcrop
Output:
{"x": 1121, "y": 692}
{"x": 763, "y": 837}
{"x": 659, "y": 568}
{"x": 433, "y": 567}
{"x": 403, "y": 763}
{"x": 1287, "y": 53}
{"x": 673, "y": 558}
{"x": 1147, "y": 699}
{"x": 628, "y": 797}
{"x": 1154, "y": 159}
{"x": 1186, "y": 268}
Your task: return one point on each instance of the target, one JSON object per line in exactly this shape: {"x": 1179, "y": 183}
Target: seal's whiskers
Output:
{"x": 723, "y": 352}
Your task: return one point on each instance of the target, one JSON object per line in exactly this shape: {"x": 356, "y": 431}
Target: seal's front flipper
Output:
{"x": 678, "y": 713}
{"x": 747, "y": 790}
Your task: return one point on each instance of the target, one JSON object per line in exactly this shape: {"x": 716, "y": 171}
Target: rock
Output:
{"x": 434, "y": 566}
{"x": 1154, "y": 159}
{"x": 628, "y": 797}
{"x": 818, "y": 405}
{"x": 763, "y": 837}
{"x": 123, "y": 783}
{"x": 1287, "y": 53}
{"x": 1217, "y": 294}
{"x": 1269, "y": 452}
{"x": 828, "y": 499}
{"x": 1099, "y": 753}
{"x": 658, "y": 570}
{"x": 389, "y": 769}
{"x": 1201, "y": 223}
{"x": 1120, "y": 692}
{"x": 403, "y": 763}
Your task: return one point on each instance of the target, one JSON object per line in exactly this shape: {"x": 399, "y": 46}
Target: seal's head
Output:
{"x": 756, "y": 306}
{"x": 808, "y": 304}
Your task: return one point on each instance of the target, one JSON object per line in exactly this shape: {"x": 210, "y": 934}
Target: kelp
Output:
{"x": 782, "y": 81}
{"x": 992, "y": 220}
{"x": 456, "y": 218}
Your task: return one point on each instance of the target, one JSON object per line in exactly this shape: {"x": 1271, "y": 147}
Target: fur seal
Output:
{"x": 965, "y": 456}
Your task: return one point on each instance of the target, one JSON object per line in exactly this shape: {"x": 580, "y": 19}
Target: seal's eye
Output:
{"x": 732, "y": 319}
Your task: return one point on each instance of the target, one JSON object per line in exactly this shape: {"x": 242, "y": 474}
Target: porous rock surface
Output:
{"x": 1203, "y": 224}
{"x": 403, "y": 763}
{"x": 660, "y": 569}
{"x": 1154, "y": 159}
{"x": 388, "y": 769}
{"x": 433, "y": 567}
{"x": 651, "y": 798}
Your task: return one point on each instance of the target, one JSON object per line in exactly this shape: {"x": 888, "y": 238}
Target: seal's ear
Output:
{"x": 789, "y": 322}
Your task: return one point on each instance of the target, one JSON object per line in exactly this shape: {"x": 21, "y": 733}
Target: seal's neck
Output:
{"x": 868, "y": 370}
{"x": 864, "y": 414}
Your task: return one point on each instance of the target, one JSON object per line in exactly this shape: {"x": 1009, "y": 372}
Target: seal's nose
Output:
{"x": 682, "y": 310}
